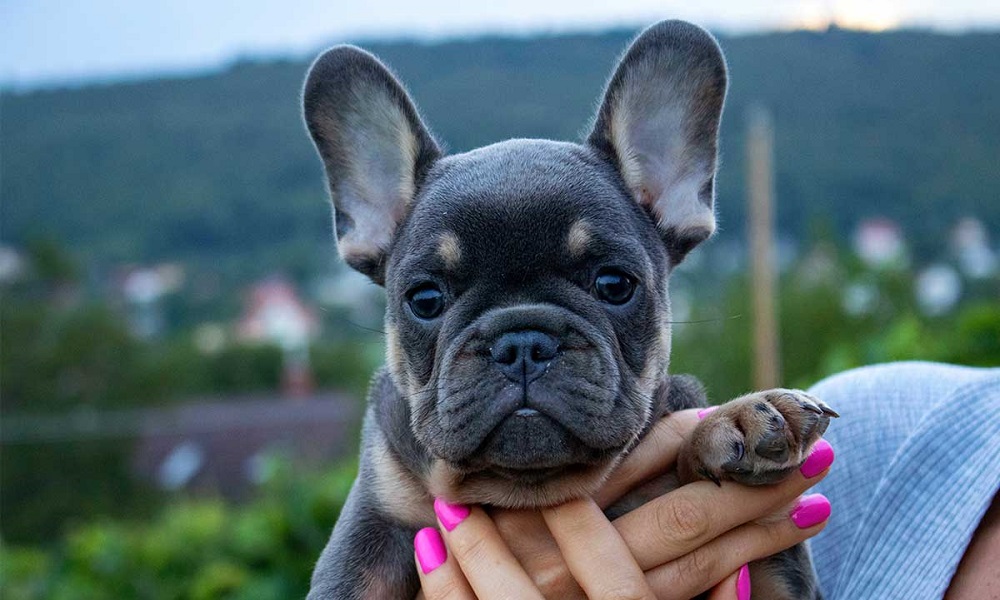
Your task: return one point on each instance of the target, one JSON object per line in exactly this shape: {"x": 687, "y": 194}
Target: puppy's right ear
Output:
{"x": 375, "y": 149}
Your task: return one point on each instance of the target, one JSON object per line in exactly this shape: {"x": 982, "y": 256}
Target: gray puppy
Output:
{"x": 528, "y": 321}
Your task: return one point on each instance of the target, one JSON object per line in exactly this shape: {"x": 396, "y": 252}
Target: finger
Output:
{"x": 693, "y": 573}
{"x": 487, "y": 562}
{"x": 440, "y": 576}
{"x": 734, "y": 587}
{"x": 533, "y": 546}
{"x": 691, "y": 515}
{"x": 596, "y": 555}
{"x": 655, "y": 454}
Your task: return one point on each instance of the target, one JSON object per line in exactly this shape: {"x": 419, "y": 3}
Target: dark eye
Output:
{"x": 613, "y": 286}
{"x": 426, "y": 301}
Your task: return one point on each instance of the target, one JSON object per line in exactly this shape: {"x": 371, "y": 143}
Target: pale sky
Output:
{"x": 51, "y": 41}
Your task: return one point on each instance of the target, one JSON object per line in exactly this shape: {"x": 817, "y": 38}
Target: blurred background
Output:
{"x": 183, "y": 360}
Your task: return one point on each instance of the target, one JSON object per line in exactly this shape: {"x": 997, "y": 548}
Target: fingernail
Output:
{"x": 818, "y": 460}
{"x": 450, "y": 515}
{"x": 430, "y": 549}
{"x": 743, "y": 583}
{"x": 706, "y": 411}
{"x": 810, "y": 510}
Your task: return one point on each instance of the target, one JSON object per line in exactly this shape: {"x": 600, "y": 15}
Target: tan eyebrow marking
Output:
{"x": 449, "y": 249}
{"x": 578, "y": 238}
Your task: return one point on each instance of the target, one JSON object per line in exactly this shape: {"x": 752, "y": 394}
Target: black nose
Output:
{"x": 523, "y": 355}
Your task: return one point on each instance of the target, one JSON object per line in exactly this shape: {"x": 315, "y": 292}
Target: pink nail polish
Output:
{"x": 743, "y": 583}
{"x": 818, "y": 460}
{"x": 810, "y": 510}
{"x": 450, "y": 515}
{"x": 430, "y": 549}
{"x": 706, "y": 411}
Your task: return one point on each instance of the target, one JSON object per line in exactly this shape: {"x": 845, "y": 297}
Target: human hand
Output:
{"x": 700, "y": 537}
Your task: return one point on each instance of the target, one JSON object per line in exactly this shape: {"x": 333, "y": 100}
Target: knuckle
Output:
{"x": 468, "y": 550}
{"x": 628, "y": 471}
{"x": 449, "y": 589}
{"x": 699, "y": 566}
{"x": 769, "y": 538}
{"x": 682, "y": 519}
{"x": 561, "y": 586}
{"x": 626, "y": 590}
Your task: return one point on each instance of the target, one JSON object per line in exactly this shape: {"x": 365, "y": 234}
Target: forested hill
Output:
{"x": 218, "y": 167}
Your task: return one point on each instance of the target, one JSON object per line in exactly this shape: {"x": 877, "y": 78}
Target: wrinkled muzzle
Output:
{"x": 532, "y": 387}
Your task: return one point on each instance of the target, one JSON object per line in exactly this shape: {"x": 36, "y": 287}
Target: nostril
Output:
{"x": 509, "y": 355}
{"x": 505, "y": 353}
{"x": 544, "y": 350}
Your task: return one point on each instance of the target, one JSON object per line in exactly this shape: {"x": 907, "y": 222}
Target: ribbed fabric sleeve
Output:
{"x": 918, "y": 462}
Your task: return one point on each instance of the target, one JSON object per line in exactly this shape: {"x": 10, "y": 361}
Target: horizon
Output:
{"x": 50, "y": 44}
{"x": 226, "y": 63}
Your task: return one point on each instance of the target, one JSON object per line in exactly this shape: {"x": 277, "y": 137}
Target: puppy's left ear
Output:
{"x": 659, "y": 122}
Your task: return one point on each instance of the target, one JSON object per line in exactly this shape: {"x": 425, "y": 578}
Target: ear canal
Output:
{"x": 374, "y": 147}
{"x": 659, "y": 123}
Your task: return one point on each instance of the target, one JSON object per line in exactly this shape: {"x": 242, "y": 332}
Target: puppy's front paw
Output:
{"x": 756, "y": 439}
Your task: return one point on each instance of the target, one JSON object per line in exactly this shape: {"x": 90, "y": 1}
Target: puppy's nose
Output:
{"x": 523, "y": 355}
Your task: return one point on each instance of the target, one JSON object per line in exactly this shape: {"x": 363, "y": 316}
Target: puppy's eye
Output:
{"x": 613, "y": 286}
{"x": 426, "y": 301}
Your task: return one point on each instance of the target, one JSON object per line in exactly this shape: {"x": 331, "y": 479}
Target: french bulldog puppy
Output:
{"x": 528, "y": 320}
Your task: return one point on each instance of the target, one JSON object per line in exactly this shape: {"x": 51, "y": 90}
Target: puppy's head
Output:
{"x": 528, "y": 317}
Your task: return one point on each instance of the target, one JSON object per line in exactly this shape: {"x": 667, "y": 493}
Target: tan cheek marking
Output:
{"x": 578, "y": 238}
{"x": 449, "y": 249}
{"x": 394, "y": 354}
{"x": 396, "y": 359}
{"x": 399, "y": 492}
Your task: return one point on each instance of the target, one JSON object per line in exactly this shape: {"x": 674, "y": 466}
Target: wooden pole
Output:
{"x": 760, "y": 176}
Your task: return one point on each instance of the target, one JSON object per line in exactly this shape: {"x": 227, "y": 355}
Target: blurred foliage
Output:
{"x": 61, "y": 353}
{"x": 818, "y": 337}
{"x": 45, "y": 487}
{"x": 60, "y": 349}
{"x": 194, "y": 549}
{"x": 56, "y": 358}
{"x": 216, "y": 170}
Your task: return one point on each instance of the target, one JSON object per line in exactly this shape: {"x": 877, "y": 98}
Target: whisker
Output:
{"x": 715, "y": 320}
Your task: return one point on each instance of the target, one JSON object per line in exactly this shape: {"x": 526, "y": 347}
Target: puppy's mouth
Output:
{"x": 528, "y": 460}
{"x": 530, "y": 447}
{"x": 538, "y": 476}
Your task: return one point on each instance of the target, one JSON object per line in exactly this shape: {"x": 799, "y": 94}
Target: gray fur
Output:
{"x": 444, "y": 419}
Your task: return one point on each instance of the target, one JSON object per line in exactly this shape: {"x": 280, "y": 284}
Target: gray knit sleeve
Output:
{"x": 918, "y": 462}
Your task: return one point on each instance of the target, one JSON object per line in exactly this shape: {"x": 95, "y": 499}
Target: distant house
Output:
{"x": 880, "y": 244}
{"x": 275, "y": 314}
{"x": 970, "y": 244}
{"x": 223, "y": 445}
{"x": 143, "y": 288}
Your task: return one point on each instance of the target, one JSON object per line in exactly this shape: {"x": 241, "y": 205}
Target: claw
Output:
{"x": 829, "y": 411}
{"x": 812, "y": 408}
{"x": 709, "y": 476}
